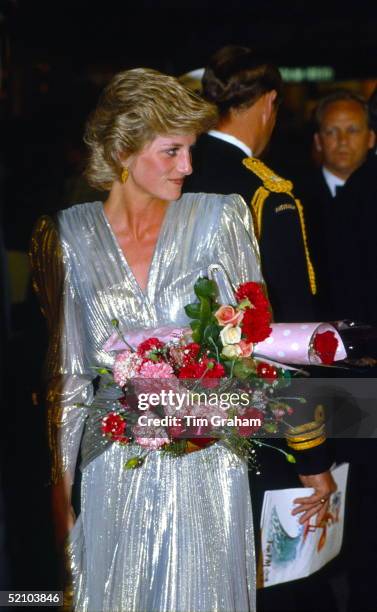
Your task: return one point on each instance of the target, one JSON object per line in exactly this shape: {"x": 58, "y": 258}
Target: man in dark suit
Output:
{"x": 247, "y": 92}
{"x": 352, "y": 265}
{"x": 356, "y": 296}
{"x": 342, "y": 139}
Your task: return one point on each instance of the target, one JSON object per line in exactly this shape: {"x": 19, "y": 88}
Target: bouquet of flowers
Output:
{"x": 184, "y": 389}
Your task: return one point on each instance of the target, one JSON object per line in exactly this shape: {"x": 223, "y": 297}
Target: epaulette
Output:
{"x": 308, "y": 435}
{"x": 271, "y": 181}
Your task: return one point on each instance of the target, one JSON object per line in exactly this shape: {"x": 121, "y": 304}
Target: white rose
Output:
{"x": 231, "y": 351}
{"x": 230, "y": 335}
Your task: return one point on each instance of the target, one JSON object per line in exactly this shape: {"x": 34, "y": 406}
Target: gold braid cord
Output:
{"x": 276, "y": 184}
{"x": 308, "y": 435}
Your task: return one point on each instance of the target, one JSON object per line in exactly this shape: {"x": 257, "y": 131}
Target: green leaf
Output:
{"x": 103, "y": 371}
{"x": 205, "y": 288}
{"x": 211, "y": 331}
{"x": 193, "y": 310}
{"x": 194, "y": 325}
{"x": 205, "y": 311}
{"x": 133, "y": 463}
{"x": 196, "y": 332}
{"x": 270, "y": 427}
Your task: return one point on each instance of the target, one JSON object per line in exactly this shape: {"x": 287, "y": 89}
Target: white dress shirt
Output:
{"x": 232, "y": 140}
{"x": 332, "y": 181}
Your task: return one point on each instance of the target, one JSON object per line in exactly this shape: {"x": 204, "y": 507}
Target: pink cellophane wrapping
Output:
{"x": 292, "y": 343}
{"x": 134, "y": 338}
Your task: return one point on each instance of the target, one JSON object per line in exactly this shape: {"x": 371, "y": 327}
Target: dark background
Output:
{"x": 55, "y": 57}
{"x": 178, "y": 36}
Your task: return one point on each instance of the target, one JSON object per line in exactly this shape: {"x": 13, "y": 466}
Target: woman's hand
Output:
{"x": 317, "y": 503}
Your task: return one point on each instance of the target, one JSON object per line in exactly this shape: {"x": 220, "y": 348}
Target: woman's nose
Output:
{"x": 184, "y": 163}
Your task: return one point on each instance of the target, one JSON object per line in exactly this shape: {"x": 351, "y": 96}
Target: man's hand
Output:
{"x": 317, "y": 503}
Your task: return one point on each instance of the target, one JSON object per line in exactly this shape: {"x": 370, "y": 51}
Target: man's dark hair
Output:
{"x": 236, "y": 78}
{"x": 339, "y": 95}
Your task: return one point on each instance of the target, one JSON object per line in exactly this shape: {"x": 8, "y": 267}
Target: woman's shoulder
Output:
{"x": 218, "y": 207}
{"x": 205, "y": 203}
{"x": 85, "y": 213}
{"x": 62, "y": 229}
{"x": 67, "y": 219}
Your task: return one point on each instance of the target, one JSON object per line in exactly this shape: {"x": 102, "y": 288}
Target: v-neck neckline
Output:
{"x": 143, "y": 292}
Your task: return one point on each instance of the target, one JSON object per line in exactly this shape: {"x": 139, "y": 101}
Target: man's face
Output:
{"x": 344, "y": 137}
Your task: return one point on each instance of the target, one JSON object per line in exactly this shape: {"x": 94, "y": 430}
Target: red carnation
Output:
{"x": 245, "y": 431}
{"x": 254, "y": 293}
{"x": 191, "y": 352}
{"x": 325, "y": 345}
{"x": 192, "y": 370}
{"x": 113, "y": 425}
{"x": 151, "y": 344}
{"x": 256, "y": 324}
{"x": 207, "y": 368}
{"x": 267, "y": 371}
{"x": 215, "y": 369}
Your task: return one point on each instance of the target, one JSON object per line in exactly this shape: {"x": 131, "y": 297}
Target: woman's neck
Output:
{"x": 133, "y": 212}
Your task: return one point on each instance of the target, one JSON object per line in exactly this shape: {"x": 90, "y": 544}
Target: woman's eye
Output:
{"x": 172, "y": 152}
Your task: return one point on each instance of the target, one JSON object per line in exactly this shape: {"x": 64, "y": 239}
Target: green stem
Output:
{"x": 115, "y": 324}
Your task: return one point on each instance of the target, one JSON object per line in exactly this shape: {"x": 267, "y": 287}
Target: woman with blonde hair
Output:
{"x": 174, "y": 535}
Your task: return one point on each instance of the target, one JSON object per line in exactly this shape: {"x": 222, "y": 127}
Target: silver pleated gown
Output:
{"x": 176, "y": 534}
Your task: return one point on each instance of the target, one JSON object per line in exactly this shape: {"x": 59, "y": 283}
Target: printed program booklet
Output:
{"x": 289, "y": 550}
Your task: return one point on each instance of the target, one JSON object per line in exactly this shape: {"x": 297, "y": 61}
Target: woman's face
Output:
{"x": 159, "y": 169}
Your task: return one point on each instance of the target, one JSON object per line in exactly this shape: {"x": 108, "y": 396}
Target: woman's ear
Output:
{"x": 124, "y": 158}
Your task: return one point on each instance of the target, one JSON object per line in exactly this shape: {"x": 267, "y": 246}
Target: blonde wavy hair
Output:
{"x": 135, "y": 107}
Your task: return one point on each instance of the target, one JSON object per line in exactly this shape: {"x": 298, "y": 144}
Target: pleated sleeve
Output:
{"x": 69, "y": 377}
{"x": 236, "y": 248}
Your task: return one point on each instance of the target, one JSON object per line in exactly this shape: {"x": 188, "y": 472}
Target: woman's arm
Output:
{"x": 63, "y": 514}
{"x": 68, "y": 378}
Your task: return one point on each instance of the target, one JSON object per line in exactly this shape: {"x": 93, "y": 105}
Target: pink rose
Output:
{"x": 227, "y": 315}
{"x": 246, "y": 348}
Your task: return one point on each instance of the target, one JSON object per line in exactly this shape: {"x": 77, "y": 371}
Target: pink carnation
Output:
{"x": 152, "y": 443}
{"x": 150, "y": 436}
{"x": 156, "y": 369}
{"x": 127, "y": 365}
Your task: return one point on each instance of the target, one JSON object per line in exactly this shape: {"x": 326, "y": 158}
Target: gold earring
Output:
{"x": 124, "y": 175}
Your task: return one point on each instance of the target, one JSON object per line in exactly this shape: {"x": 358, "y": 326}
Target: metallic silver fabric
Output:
{"x": 176, "y": 534}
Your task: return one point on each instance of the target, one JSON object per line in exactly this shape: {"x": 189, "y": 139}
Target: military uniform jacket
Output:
{"x": 221, "y": 167}
{"x": 322, "y": 215}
